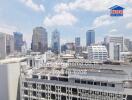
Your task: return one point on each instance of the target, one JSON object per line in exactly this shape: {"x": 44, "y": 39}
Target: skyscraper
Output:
{"x": 39, "y": 40}
{"x": 77, "y": 41}
{"x": 6, "y": 45}
{"x": 55, "y": 42}
{"x": 18, "y": 41}
{"x": 90, "y": 37}
{"x": 78, "y": 47}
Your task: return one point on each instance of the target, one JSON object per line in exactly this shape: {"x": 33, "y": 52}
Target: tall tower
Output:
{"x": 18, "y": 41}
{"x": 6, "y": 45}
{"x": 39, "y": 40}
{"x": 77, "y": 41}
{"x": 90, "y": 37}
{"x": 55, "y": 42}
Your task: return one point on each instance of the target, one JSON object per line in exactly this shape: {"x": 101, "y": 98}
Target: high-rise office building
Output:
{"x": 39, "y": 40}
{"x": 90, "y": 37}
{"x": 114, "y": 51}
{"x": 115, "y": 40}
{"x": 18, "y": 41}
{"x": 113, "y": 45}
{"x": 77, "y": 41}
{"x": 127, "y": 45}
{"x": 117, "y": 52}
{"x": 55, "y": 42}
{"x": 78, "y": 47}
{"x": 6, "y": 45}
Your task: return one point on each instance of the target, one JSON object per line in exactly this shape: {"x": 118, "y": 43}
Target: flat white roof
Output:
{"x": 12, "y": 60}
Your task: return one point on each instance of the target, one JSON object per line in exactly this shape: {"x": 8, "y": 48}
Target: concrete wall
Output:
{"x": 9, "y": 81}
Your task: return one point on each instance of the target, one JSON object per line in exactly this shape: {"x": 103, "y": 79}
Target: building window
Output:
{"x": 111, "y": 85}
{"x": 63, "y": 97}
{"x": 63, "y": 79}
{"x": 34, "y": 93}
{"x": 44, "y": 77}
{"x": 74, "y": 98}
{"x": 52, "y": 88}
{"x": 77, "y": 81}
{"x": 63, "y": 89}
{"x": 54, "y": 78}
{"x": 53, "y": 96}
{"x": 96, "y": 83}
{"x": 90, "y": 82}
{"x": 103, "y": 84}
{"x": 74, "y": 91}
{"x": 43, "y": 87}
{"x": 83, "y": 81}
{"x": 25, "y": 84}
{"x": 25, "y": 98}
{"x": 43, "y": 95}
{"x": 35, "y": 76}
{"x": 25, "y": 92}
{"x": 34, "y": 86}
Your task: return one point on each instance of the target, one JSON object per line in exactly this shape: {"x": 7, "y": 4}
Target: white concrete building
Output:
{"x": 115, "y": 40}
{"x": 10, "y": 78}
{"x": 97, "y": 53}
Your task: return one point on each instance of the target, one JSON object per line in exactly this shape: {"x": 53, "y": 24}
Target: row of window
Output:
{"x": 74, "y": 91}
{"x": 90, "y": 82}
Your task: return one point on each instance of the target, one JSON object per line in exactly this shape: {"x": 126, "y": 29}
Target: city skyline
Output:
{"x": 71, "y": 18}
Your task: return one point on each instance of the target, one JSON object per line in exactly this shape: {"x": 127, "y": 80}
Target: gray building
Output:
{"x": 18, "y": 41}
{"x": 77, "y": 41}
{"x": 90, "y": 37}
{"x": 115, "y": 40}
{"x": 89, "y": 81}
{"x": 39, "y": 40}
{"x": 6, "y": 45}
{"x": 55, "y": 42}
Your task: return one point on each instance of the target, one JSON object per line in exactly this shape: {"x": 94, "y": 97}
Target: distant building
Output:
{"x": 78, "y": 47}
{"x": 117, "y": 52}
{"x": 127, "y": 45}
{"x": 90, "y": 37}
{"x": 114, "y": 51}
{"x": 6, "y": 45}
{"x": 39, "y": 40}
{"x": 77, "y": 42}
{"x": 97, "y": 53}
{"x": 115, "y": 40}
{"x": 115, "y": 45}
{"x": 68, "y": 46}
{"x": 18, "y": 41}
{"x": 63, "y": 48}
{"x": 24, "y": 47}
{"x": 130, "y": 45}
{"x": 55, "y": 42}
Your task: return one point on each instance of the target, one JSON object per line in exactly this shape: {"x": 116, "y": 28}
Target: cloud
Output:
{"x": 102, "y": 21}
{"x": 60, "y": 19}
{"x": 88, "y": 5}
{"x": 128, "y": 12}
{"x": 33, "y": 5}
{"x": 114, "y": 32}
{"x": 9, "y": 29}
{"x": 129, "y": 25}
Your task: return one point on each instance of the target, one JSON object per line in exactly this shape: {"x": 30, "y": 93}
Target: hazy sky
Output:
{"x": 71, "y": 17}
